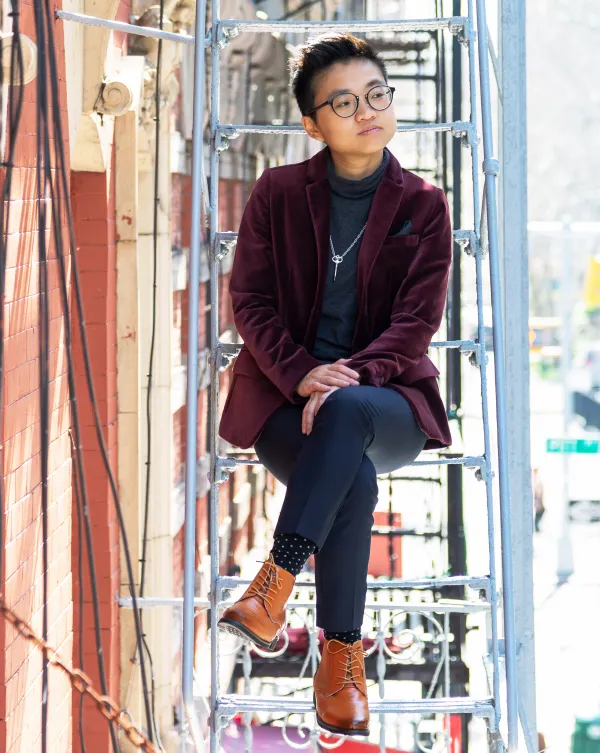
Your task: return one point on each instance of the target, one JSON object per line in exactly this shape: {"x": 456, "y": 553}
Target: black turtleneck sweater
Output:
{"x": 350, "y": 206}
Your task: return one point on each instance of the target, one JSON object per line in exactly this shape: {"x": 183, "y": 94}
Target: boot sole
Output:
{"x": 339, "y": 730}
{"x": 241, "y": 631}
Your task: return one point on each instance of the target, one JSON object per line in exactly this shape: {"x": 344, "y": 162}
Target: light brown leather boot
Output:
{"x": 341, "y": 689}
{"x": 259, "y": 616}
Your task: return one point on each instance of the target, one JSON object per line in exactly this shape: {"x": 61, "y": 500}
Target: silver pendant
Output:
{"x": 336, "y": 259}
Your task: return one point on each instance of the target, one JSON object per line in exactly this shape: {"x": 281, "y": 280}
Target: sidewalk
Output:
{"x": 567, "y": 629}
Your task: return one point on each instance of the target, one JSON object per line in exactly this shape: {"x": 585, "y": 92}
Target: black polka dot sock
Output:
{"x": 290, "y": 551}
{"x": 350, "y": 636}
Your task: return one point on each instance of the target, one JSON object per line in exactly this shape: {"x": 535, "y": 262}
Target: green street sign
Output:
{"x": 578, "y": 446}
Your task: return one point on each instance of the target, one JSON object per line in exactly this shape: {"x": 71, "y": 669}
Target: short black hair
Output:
{"x": 320, "y": 53}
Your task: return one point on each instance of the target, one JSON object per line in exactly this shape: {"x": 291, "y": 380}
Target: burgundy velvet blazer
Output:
{"x": 277, "y": 285}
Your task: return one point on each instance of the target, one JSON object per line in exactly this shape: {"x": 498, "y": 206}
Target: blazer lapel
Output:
{"x": 319, "y": 203}
{"x": 383, "y": 210}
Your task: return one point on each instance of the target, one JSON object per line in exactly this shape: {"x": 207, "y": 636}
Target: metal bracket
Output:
{"x": 226, "y": 360}
{"x": 482, "y": 470}
{"x": 226, "y": 353}
{"x": 459, "y": 130}
{"x": 226, "y": 34}
{"x": 483, "y": 592}
{"x": 491, "y": 167}
{"x": 223, "y": 719}
{"x": 465, "y": 133}
{"x": 484, "y": 473}
{"x": 223, "y": 137}
{"x": 464, "y": 33}
{"x": 468, "y": 241}
{"x": 225, "y": 243}
{"x": 476, "y": 358}
{"x": 223, "y": 467}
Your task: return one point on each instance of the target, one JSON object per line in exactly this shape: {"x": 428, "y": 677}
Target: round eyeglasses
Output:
{"x": 345, "y": 105}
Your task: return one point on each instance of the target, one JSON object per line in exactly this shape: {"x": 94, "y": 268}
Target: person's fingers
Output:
{"x": 307, "y": 415}
{"x": 321, "y": 400}
{"x": 345, "y": 370}
{"x": 306, "y": 418}
{"x": 329, "y": 380}
{"x": 340, "y": 381}
{"x": 334, "y": 374}
{"x": 311, "y": 413}
{"x": 320, "y": 386}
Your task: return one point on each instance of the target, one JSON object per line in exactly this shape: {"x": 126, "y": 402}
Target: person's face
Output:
{"x": 366, "y": 132}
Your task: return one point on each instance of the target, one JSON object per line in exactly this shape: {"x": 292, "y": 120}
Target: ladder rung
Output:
{"x": 231, "y": 704}
{"x": 393, "y": 531}
{"x": 445, "y": 606}
{"x": 476, "y": 582}
{"x": 461, "y": 236}
{"x": 409, "y": 76}
{"x": 454, "y": 24}
{"x": 468, "y": 607}
{"x": 233, "y": 130}
{"x": 417, "y": 170}
{"x": 466, "y": 346}
{"x": 468, "y": 461}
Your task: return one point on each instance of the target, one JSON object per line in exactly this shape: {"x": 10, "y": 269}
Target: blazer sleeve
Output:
{"x": 253, "y": 289}
{"x": 418, "y": 307}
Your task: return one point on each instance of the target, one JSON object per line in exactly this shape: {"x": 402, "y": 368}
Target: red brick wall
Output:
{"x": 94, "y": 215}
{"x": 93, "y": 201}
{"x": 20, "y": 664}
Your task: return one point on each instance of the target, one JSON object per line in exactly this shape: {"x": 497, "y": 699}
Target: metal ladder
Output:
{"x": 477, "y": 241}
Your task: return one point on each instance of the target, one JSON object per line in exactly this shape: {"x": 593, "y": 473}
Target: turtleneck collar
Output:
{"x": 356, "y": 189}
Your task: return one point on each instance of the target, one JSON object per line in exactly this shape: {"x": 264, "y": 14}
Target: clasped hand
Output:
{"x": 321, "y": 382}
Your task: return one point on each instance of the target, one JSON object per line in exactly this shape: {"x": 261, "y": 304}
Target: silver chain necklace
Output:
{"x": 337, "y": 258}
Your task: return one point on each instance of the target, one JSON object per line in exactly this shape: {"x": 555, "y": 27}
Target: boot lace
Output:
{"x": 266, "y": 584}
{"x": 353, "y": 667}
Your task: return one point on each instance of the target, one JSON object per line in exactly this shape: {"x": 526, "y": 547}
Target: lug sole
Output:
{"x": 241, "y": 631}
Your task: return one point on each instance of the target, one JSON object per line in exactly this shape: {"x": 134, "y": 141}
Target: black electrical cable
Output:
{"x": 63, "y": 194}
{"x": 43, "y": 348}
{"x": 80, "y": 622}
{"x": 150, "y": 376}
{"x": 46, "y": 189}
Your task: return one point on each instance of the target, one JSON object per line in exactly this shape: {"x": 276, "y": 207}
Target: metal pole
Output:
{"x": 189, "y": 568}
{"x": 457, "y": 555}
{"x": 485, "y": 408}
{"x": 512, "y": 122}
{"x": 140, "y": 31}
{"x": 213, "y": 438}
{"x": 491, "y": 169}
{"x": 453, "y": 359}
{"x": 564, "y": 568}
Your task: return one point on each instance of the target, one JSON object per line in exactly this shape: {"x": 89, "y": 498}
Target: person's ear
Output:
{"x": 311, "y": 128}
